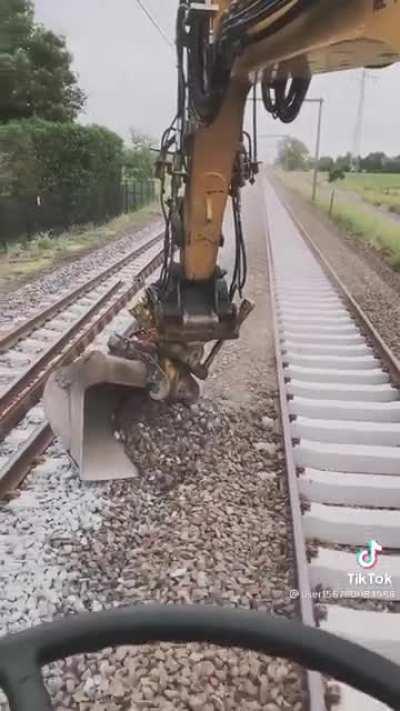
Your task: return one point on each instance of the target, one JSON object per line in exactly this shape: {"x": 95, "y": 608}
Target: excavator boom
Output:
{"x": 224, "y": 47}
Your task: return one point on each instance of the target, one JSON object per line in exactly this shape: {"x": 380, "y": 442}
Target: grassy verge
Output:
{"x": 26, "y": 260}
{"x": 357, "y": 220}
{"x": 378, "y": 189}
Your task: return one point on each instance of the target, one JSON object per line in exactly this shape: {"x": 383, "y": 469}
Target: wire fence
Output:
{"x": 137, "y": 194}
{"x": 22, "y": 218}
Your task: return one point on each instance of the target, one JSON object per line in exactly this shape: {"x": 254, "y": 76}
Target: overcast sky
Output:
{"x": 128, "y": 73}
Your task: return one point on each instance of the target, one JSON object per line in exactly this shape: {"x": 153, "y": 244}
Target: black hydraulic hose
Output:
{"x": 283, "y": 96}
{"x": 289, "y": 106}
{"x": 240, "y": 268}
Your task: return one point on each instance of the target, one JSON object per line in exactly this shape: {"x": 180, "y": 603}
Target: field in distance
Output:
{"x": 365, "y": 205}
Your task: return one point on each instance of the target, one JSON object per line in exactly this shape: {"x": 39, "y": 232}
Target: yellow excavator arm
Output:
{"x": 224, "y": 47}
{"x": 323, "y": 36}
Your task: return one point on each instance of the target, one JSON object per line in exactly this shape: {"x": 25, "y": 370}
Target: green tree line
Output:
{"x": 36, "y": 78}
{"x": 46, "y": 157}
{"x": 75, "y": 169}
{"x": 294, "y": 155}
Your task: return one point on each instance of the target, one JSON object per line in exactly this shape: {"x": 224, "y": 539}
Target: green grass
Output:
{"x": 25, "y": 260}
{"x": 379, "y": 189}
{"x": 359, "y": 221}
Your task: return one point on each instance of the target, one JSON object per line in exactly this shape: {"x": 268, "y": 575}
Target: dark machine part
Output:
{"x": 192, "y": 301}
{"x": 201, "y": 309}
{"x": 284, "y": 89}
{"x": 208, "y": 65}
{"x": 24, "y": 654}
{"x": 189, "y": 312}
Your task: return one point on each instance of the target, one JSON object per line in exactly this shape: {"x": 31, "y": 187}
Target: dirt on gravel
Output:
{"x": 371, "y": 281}
{"x": 206, "y": 521}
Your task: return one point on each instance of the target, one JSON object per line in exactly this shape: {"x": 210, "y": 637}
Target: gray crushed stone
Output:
{"x": 24, "y": 302}
{"x": 200, "y": 524}
{"x": 205, "y": 521}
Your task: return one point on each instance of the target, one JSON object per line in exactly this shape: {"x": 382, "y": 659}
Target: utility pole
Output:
{"x": 359, "y": 122}
{"x": 255, "y": 131}
{"x": 320, "y": 102}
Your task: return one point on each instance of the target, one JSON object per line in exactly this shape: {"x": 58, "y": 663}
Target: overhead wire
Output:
{"x": 166, "y": 142}
{"x": 155, "y": 24}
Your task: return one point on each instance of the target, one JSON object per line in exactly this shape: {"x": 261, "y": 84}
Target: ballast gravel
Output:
{"x": 23, "y": 303}
{"x": 205, "y": 521}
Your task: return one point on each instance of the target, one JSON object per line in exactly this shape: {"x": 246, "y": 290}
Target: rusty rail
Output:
{"x": 25, "y": 329}
{"x": 15, "y": 470}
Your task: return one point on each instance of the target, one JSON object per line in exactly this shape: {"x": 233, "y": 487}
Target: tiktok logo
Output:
{"x": 368, "y": 557}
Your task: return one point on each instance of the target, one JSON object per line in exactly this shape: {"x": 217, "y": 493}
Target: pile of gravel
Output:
{"x": 205, "y": 521}
{"x": 39, "y": 528}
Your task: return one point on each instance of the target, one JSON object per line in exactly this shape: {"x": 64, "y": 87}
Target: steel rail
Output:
{"x": 26, "y": 388}
{"x": 389, "y": 363}
{"x": 314, "y": 680}
{"x": 386, "y": 353}
{"x": 27, "y": 327}
{"x": 15, "y": 470}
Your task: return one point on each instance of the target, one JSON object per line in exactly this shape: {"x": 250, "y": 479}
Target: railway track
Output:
{"x": 11, "y": 337}
{"x": 54, "y": 338}
{"x": 30, "y": 347}
{"x": 341, "y": 418}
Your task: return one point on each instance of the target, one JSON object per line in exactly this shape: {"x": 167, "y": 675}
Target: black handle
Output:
{"x": 22, "y": 655}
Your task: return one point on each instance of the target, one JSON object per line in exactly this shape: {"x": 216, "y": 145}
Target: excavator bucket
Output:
{"x": 80, "y": 401}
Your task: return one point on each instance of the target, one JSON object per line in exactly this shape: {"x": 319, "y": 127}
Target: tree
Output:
{"x": 16, "y": 23}
{"x": 19, "y": 174}
{"x": 76, "y": 170}
{"x": 326, "y": 164}
{"x": 374, "y": 162}
{"x": 36, "y": 79}
{"x": 139, "y": 157}
{"x": 392, "y": 165}
{"x": 336, "y": 174}
{"x": 52, "y": 91}
{"x": 292, "y": 154}
{"x": 345, "y": 162}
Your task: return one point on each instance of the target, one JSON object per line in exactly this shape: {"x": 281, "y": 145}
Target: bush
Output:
{"x": 44, "y": 242}
{"x": 74, "y": 170}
